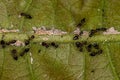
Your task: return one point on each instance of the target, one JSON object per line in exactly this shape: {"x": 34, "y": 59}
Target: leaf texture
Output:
{"x": 65, "y": 62}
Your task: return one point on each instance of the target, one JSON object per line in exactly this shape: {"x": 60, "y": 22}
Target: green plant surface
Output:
{"x": 65, "y": 62}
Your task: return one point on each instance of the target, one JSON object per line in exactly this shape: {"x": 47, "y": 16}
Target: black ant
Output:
{"x": 27, "y": 42}
{"x": 78, "y": 44}
{"x": 92, "y": 32}
{"x": 81, "y": 22}
{"x": 24, "y": 51}
{"x": 76, "y": 37}
{"x": 3, "y": 43}
{"x": 28, "y": 16}
{"x": 54, "y": 45}
{"x": 45, "y": 44}
{"x": 96, "y": 53}
{"x": 93, "y": 54}
{"x": 89, "y": 47}
{"x": 32, "y": 37}
{"x": 14, "y": 54}
{"x": 11, "y": 42}
{"x": 96, "y": 46}
{"x": 101, "y": 29}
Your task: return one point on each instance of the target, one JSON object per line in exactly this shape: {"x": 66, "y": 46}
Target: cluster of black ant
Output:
{"x": 93, "y": 49}
{"x": 79, "y": 45}
{"x": 89, "y": 47}
{"x": 4, "y": 44}
{"x": 45, "y": 44}
{"x": 91, "y": 33}
{"x": 27, "y": 42}
{"x": 14, "y": 52}
{"x": 81, "y": 22}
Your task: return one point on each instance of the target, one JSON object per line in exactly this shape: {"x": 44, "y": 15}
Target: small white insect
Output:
{"x": 31, "y": 59}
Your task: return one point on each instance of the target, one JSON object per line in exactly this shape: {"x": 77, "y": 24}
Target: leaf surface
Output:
{"x": 65, "y": 62}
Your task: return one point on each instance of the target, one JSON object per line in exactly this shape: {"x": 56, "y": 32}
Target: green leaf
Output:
{"x": 65, "y": 62}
